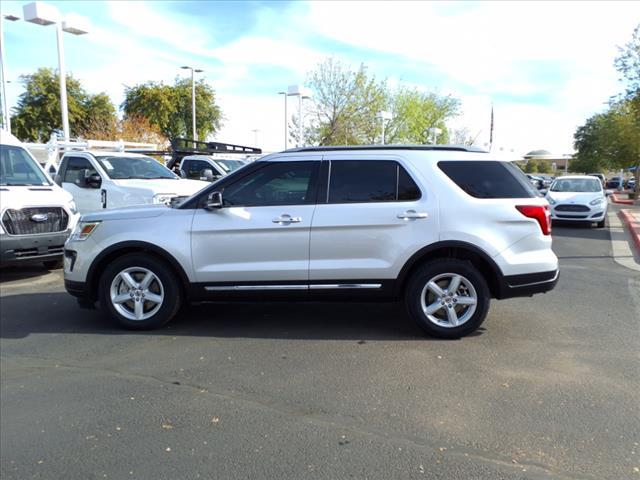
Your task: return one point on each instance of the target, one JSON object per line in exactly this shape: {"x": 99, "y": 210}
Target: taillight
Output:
{"x": 540, "y": 213}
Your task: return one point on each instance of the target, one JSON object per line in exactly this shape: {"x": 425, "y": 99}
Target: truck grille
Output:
{"x": 34, "y": 221}
{"x": 572, "y": 208}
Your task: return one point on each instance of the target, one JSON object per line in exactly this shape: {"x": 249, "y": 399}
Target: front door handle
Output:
{"x": 412, "y": 214}
{"x": 286, "y": 219}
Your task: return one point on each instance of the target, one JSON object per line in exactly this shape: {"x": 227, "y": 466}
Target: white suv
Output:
{"x": 443, "y": 228}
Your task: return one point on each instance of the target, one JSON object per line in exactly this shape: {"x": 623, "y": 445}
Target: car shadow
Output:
{"x": 26, "y": 314}
{"x": 13, "y": 273}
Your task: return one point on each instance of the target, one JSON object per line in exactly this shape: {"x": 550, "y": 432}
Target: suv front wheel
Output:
{"x": 140, "y": 291}
{"x": 447, "y": 298}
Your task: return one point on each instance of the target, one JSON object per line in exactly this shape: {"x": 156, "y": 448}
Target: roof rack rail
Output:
{"x": 181, "y": 147}
{"x": 455, "y": 148}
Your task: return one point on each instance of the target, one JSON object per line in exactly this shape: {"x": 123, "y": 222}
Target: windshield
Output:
{"x": 577, "y": 185}
{"x": 121, "y": 168}
{"x": 229, "y": 165}
{"x": 17, "y": 168}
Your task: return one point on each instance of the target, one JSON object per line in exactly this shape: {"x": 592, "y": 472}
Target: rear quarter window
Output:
{"x": 489, "y": 179}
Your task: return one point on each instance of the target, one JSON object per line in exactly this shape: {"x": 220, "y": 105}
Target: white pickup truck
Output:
{"x": 101, "y": 179}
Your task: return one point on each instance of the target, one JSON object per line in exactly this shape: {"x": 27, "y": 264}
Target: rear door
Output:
{"x": 370, "y": 219}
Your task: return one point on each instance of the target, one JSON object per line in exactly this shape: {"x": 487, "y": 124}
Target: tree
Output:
{"x": 544, "y": 167}
{"x": 169, "y": 107}
{"x": 531, "y": 166}
{"x": 416, "y": 114}
{"x": 38, "y": 113}
{"x": 132, "y": 129}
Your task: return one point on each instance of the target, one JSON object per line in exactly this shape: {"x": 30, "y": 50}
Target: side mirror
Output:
{"x": 93, "y": 181}
{"x": 207, "y": 174}
{"x": 214, "y": 201}
{"x": 608, "y": 192}
{"x": 57, "y": 179}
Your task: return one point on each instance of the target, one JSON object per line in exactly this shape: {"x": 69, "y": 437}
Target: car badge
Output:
{"x": 40, "y": 217}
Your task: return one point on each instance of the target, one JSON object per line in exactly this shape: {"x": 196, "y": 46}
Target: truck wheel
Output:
{"x": 140, "y": 291}
{"x": 447, "y": 298}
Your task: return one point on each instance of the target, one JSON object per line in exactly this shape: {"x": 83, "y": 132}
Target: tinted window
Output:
{"x": 354, "y": 181}
{"x": 120, "y": 168}
{"x": 360, "y": 181}
{"x": 75, "y": 169}
{"x": 284, "y": 183}
{"x": 194, "y": 169}
{"x": 489, "y": 179}
{"x": 407, "y": 188}
{"x": 18, "y": 168}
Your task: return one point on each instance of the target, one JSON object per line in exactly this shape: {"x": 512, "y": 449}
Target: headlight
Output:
{"x": 551, "y": 201}
{"x": 83, "y": 231}
{"x": 164, "y": 198}
{"x": 72, "y": 207}
{"x": 596, "y": 201}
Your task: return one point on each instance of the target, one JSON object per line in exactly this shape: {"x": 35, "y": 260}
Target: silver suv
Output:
{"x": 444, "y": 228}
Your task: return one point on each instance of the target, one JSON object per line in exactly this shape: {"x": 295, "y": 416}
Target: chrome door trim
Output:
{"x": 331, "y": 286}
{"x": 328, "y": 286}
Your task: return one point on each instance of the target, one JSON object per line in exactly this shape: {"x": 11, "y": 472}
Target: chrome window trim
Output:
{"x": 329, "y": 286}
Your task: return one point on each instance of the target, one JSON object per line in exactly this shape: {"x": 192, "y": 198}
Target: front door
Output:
{"x": 261, "y": 234}
{"x": 87, "y": 198}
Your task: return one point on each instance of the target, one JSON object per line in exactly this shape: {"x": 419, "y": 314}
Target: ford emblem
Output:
{"x": 40, "y": 217}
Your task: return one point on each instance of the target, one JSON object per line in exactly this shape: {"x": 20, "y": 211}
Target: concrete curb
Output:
{"x": 615, "y": 199}
{"x": 633, "y": 225}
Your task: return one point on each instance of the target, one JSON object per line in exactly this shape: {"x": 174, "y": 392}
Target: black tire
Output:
{"x": 601, "y": 223}
{"x": 424, "y": 274}
{"x": 168, "y": 287}
{"x": 53, "y": 264}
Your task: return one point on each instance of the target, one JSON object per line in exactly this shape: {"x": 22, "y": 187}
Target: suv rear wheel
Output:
{"x": 140, "y": 291}
{"x": 448, "y": 298}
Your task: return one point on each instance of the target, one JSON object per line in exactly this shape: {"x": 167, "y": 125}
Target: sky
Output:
{"x": 545, "y": 67}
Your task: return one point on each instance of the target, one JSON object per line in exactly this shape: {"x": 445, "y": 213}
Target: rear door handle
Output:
{"x": 286, "y": 219}
{"x": 412, "y": 214}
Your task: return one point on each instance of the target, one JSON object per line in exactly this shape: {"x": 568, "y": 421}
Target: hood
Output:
{"x": 33, "y": 196}
{"x": 181, "y": 187}
{"x": 140, "y": 211}
{"x": 579, "y": 198}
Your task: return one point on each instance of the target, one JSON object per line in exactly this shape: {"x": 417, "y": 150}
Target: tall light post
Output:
{"x": 384, "y": 117}
{"x": 193, "y": 98}
{"x": 302, "y": 93}
{"x": 6, "y": 116}
{"x": 286, "y": 119}
{"x": 44, "y": 14}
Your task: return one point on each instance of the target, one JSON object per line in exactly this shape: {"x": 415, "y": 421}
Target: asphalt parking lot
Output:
{"x": 548, "y": 388}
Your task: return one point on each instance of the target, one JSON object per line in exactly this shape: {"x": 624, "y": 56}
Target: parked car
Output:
{"x": 631, "y": 184}
{"x": 615, "y": 182}
{"x": 101, "y": 180}
{"x": 445, "y": 228}
{"x": 208, "y": 167}
{"x": 36, "y": 216}
{"x": 547, "y": 180}
{"x": 536, "y": 181}
{"x": 578, "y": 198}
{"x": 600, "y": 176}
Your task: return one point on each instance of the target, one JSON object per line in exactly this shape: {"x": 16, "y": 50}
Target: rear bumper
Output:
{"x": 31, "y": 248}
{"x": 528, "y": 284}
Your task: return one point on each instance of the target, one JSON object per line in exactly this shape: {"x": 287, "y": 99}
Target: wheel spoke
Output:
{"x": 121, "y": 298}
{"x": 452, "y": 316}
{"x": 153, "y": 298}
{"x": 434, "y": 307}
{"x": 139, "y": 309}
{"x": 466, "y": 300}
{"x": 433, "y": 286}
{"x": 454, "y": 284}
{"x": 128, "y": 279}
{"x": 146, "y": 281}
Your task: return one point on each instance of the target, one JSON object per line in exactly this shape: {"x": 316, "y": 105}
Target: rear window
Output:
{"x": 489, "y": 179}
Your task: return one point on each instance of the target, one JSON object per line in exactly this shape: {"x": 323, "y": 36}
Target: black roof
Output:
{"x": 454, "y": 148}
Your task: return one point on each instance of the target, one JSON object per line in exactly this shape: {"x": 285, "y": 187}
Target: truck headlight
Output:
{"x": 164, "y": 198}
{"x": 551, "y": 201}
{"x": 596, "y": 201}
{"x": 83, "y": 231}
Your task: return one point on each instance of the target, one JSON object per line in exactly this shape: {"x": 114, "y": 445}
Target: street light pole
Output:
{"x": 193, "y": 99}
{"x": 286, "y": 126}
{"x": 6, "y": 115}
{"x": 63, "y": 83}
{"x": 384, "y": 116}
{"x": 302, "y": 93}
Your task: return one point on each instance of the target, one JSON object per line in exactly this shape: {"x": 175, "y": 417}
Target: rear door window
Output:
{"x": 366, "y": 181}
{"x": 489, "y": 179}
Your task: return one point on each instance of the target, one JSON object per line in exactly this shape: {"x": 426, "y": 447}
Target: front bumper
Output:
{"x": 22, "y": 249}
{"x": 594, "y": 214}
{"x": 528, "y": 284}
